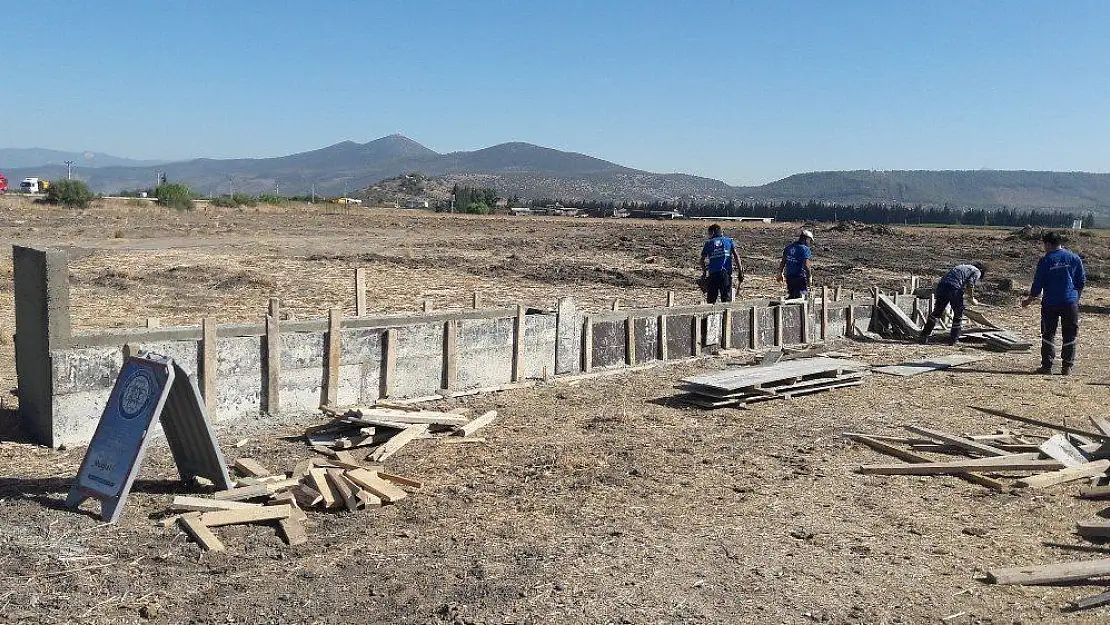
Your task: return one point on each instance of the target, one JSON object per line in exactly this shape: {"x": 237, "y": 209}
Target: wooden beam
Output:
{"x": 246, "y": 515}
{"x": 398, "y": 441}
{"x": 778, "y": 326}
{"x": 850, "y": 320}
{"x": 317, "y": 479}
{"x": 947, "y": 468}
{"x": 205, "y": 504}
{"x": 670, "y": 298}
{"x": 292, "y": 532}
{"x": 837, "y": 293}
{"x": 450, "y": 354}
{"x": 335, "y": 333}
{"x": 805, "y": 322}
{"x": 199, "y": 532}
{"x": 251, "y": 467}
{"x": 1093, "y": 529}
{"x": 208, "y": 364}
{"x": 1044, "y": 424}
{"x": 344, "y": 488}
{"x": 1050, "y": 573}
{"x": 1069, "y": 474}
{"x": 1101, "y": 424}
{"x": 587, "y": 343}
{"x": 726, "y": 329}
{"x": 1094, "y": 601}
{"x": 360, "y": 292}
{"x": 616, "y": 303}
{"x": 909, "y": 456}
{"x": 662, "y": 333}
{"x": 518, "y": 344}
{"x": 476, "y": 301}
{"x": 959, "y": 441}
{"x": 824, "y": 313}
{"x": 369, "y": 481}
{"x": 427, "y": 306}
{"x": 273, "y": 364}
{"x": 476, "y": 424}
{"x": 696, "y": 335}
{"x": 630, "y": 340}
{"x": 389, "y": 361}
{"x": 1095, "y": 492}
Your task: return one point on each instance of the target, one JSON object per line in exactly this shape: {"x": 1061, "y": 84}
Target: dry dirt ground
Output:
{"x": 592, "y": 502}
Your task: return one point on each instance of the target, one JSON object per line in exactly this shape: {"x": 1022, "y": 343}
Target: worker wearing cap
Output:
{"x": 794, "y": 268}
{"x": 950, "y": 292}
{"x": 1061, "y": 278}
{"x": 717, "y": 258}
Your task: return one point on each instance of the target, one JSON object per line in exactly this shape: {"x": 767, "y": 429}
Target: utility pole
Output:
{"x": 313, "y": 192}
{"x": 230, "y": 186}
{"x": 69, "y": 170}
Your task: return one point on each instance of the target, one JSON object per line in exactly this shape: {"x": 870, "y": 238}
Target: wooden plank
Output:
{"x": 662, "y": 333}
{"x": 317, "y": 479}
{"x": 204, "y": 504}
{"x": 753, "y": 327}
{"x": 805, "y": 323}
{"x": 518, "y": 344}
{"x": 959, "y": 441}
{"x": 908, "y": 456}
{"x": 343, "y": 487}
{"x": 243, "y": 492}
{"x": 587, "y": 343}
{"x": 288, "y": 498}
{"x": 778, "y": 326}
{"x": 307, "y": 496}
{"x": 917, "y": 367}
{"x": 403, "y": 481}
{"x": 251, "y": 467}
{"x": 476, "y": 300}
{"x": 695, "y": 334}
{"x": 742, "y": 377}
{"x": 368, "y": 499}
{"x": 1050, "y": 573}
{"x": 292, "y": 532}
{"x": 1093, "y": 601}
{"x": 1095, "y": 492}
{"x": 1093, "y": 529}
{"x": 470, "y": 428}
{"x": 1101, "y": 424}
{"x": 369, "y": 481}
{"x": 1044, "y": 424}
{"x": 1069, "y": 474}
{"x": 398, "y": 441}
{"x": 1060, "y": 448}
{"x": 963, "y": 466}
{"x": 450, "y": 354}
{"x": 407, "y": 417}
{"x": 726, "y": 321}
{"x": 389, "y": 361}
{"x": 850, "y": 320}
{"x": 273, "y": 365}
{"x": 670, "y": 299}
{"x": 335, "y": 333}
{"x": 630, "y": 340}
{"x": 248, "y": 515}
{"x": 208, "y": 364}
{"x": 200, "y": 533}
{"x": 360, "y": 292}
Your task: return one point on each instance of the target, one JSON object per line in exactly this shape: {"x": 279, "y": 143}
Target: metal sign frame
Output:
{"x": 149, "y": 390}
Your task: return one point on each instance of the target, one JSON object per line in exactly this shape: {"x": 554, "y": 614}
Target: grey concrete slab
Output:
{"x": 540, "y": 344}
{"x": 568, "y": 349}
{"x": 792, "y": 325}
{"x": 76, "y": 370}
{"x": 741, "y": 329}
{"x": 484, "y": 353}
{"x": 765, "y": 320}
{"x": 419, "y": 360}
{"x": 680, "y": 337}
{"x": 609, "y": 343}
{"x": 647, "y": 339}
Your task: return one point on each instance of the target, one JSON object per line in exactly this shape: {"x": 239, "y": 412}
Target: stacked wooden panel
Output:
{"x": 781, "y": 380}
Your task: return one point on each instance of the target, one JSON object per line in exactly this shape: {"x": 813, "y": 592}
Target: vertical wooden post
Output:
{"x": 450, "y": 353}
{"x": 824, "y": 313}
{"x": 208, "y": 363}
{"x": 753, "y": 327}
{"x": 518, "y": 344}
{"x": 476, "y": 301}
{"x": 389, "y": 362}
{"x": 630, "y": 340}
{"x": 360, "y": 292}
{"x": 427, "y": 305}
{"x": 696, "y": 331}
{"x": 587, "y": 343}
{"x": 616, "y": 303}
{"x": 662, "y": 333}
{"x": 876, "y": 294}
{"x": 335, "y": 332}
{"x": 275, "y": 308}
{"x": 726, "y": 322}
{"x": 778, "y": 325}
{"x": 670, "y": 298}
{"x": 153, "y": 322}
{"x": 837, "y": 294}
{"x": 273, "y": 362}
{"x": 850, "y": 320}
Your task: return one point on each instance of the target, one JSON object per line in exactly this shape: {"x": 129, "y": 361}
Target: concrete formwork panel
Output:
{"x": 741, "y": 329}
{"x": 76, "y": 370}
{"x": 360, "y": 358}
{"x": 680, "y": 337}
{"x": 792, "y": 325}
{"x": 647, "y": 339}
{"x": 765, "y": 318}
{"x": 609, "y": 343}
{"x": 419, "y": 368}
{"x": 301, "y": 385}
{"x": 711, "y": 329}
{"x": 837, "y": 319}
{"x": 484, "y": 353}
{"x": 568, "y": 348}
{"x": 540, "y": 344}
{"x": 240, "y": 377}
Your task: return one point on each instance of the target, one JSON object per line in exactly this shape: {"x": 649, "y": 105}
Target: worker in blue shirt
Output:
{"x": 718, "y": 256}
{"x": 794, "y": 268}
{"x": 950, "y": 291}
{"x": 1059, "y": 282}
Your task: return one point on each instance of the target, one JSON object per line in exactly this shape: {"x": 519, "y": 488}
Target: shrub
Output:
{"x": 243, "y": 199}
{"x": 223, "y": 201}
{"x": 174, "y": 195}
{"x": 72, "y": 193}
{"x": 476, "y": 208}
{"x": 271, "y": 198}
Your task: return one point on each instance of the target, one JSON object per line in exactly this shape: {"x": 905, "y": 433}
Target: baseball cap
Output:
{"x": 807, "y": 233}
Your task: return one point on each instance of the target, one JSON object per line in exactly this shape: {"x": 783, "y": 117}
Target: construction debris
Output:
{"x": 738, "y": 387}
{"x": 918, "y": 367}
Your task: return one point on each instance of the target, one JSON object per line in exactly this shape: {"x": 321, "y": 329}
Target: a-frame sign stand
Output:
{"x": 150, "y": 389}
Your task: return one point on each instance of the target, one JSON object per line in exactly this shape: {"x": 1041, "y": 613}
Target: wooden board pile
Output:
{"x": 740, "y": 386}
{"x": 990, "y": 335}
{"x": 337, "y": 480}
{"x": 1069, "y": 455}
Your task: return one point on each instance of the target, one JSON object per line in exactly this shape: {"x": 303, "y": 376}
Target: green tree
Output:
{"x": 72, "y": 193}
{"x": 174, "y": 195}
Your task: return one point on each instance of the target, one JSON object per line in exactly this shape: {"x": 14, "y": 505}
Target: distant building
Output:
{"x": 415, "y": 203}
{"x": 520, "y": 211}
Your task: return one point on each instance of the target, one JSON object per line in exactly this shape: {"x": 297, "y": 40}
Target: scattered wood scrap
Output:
{"x": 1050, "y": 573}
{"x": 740, "y": 386}
{"x": 386, "y": 430}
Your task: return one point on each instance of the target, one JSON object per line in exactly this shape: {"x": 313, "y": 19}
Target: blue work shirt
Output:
{"x": 962, "y": 276}
{"x": 796, "y": 255}
{"x": 718, "y": 254}
{"x": 1060, "y": 276}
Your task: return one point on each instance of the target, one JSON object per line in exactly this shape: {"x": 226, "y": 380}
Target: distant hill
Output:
{"x": 533, "y": 171}
{"x": 11, "y": 158}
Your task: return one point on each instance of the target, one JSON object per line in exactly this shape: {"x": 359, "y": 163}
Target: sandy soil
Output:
{"x": 593, "y": 502}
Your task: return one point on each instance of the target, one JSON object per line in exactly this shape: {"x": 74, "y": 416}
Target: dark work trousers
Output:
{"x": 1067, "y": 316}
{"x": 797, "y": 286}
{"x": 946, "y": 295}
{"x": 719, "y": 287}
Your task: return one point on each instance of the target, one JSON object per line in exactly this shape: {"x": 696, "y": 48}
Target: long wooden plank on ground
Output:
{"x": 252, "y": 515}
{"x": 199, "y": 532}
{"x": 243, "y": 492}
{"x": 204, "y": 504}
{"x": 370, "y": 482}
{"x": 909, "y": 456}
{"x": 959, "y": 441}
{"x": 1060, "y": 448}
{"x": 251, "y": 467}
{"x": 1093, "y": 529}
{"x": 1044, "y": 424}
{"x": 292, "y": 532}
{"x": 397, "y": 415}
{"x": 945, "y": 468}
{"x": 742, "y": 377}
{"x": 475, "y": 425}
{"x": 393, "y": 445}
{"x": 1070, "y": 474}
{"x": 1095, "y": 492}
{"x": 403, "y": 481}
{"x": 917, "y": 367}
{"x": 1101, "y": 424}
{"x": 317, "y": 479}
{"x": 344, "y": 488}
{"x": 1094, "y": 601}
{"x": 1050, "y": 573}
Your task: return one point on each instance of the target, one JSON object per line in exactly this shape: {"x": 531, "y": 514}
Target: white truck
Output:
{"x": 34, "y": 185}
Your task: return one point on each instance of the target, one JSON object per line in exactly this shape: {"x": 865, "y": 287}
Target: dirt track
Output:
{"x": 599, "y": 502}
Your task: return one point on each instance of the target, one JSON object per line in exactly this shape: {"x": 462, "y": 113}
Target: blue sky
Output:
{"x": 747, "y": 92}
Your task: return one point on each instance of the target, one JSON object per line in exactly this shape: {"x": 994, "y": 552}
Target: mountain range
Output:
{"x": 36, "y": 157}
{"x": 537, "y": 172}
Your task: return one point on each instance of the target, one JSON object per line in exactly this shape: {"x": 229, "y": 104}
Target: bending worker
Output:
{"x": 950, "y": 291}
{"x": 717, "y": 258}
{"x": 1061, "y": 278}
{"x": 794, "y": 268}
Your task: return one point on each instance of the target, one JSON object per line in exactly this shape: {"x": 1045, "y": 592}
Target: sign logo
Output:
{"x": 136, "y": 394}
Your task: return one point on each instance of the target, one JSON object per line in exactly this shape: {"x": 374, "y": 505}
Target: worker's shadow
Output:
{"x": 51, "y": 492}
{"x": 1094, "y": 310}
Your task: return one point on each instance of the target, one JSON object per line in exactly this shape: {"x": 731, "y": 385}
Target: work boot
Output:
{"x": 1066, "y": 370}
{"x": 923, "y": 339}
{"x": 1044, "y": 370}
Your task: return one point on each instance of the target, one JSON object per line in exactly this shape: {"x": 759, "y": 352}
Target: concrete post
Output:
{"x": 41, "y": 288}
{"x": 568, "y": 337}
